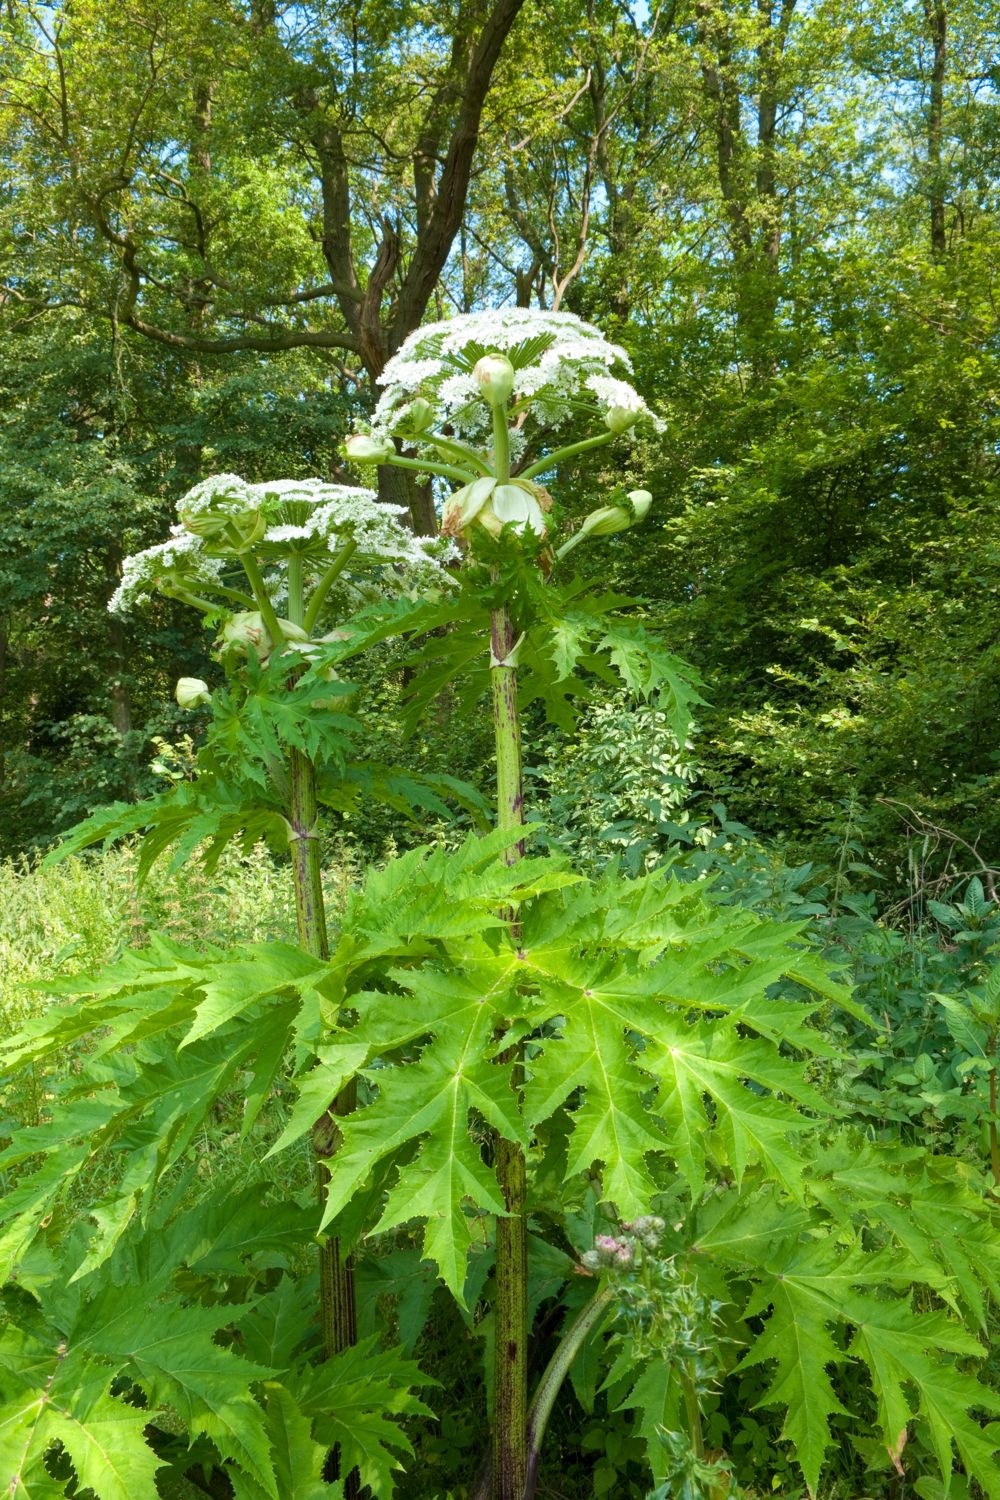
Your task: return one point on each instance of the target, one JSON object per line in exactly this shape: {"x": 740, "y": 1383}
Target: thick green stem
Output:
{"x": 430, "y": 466}
{"x": 692, "y": 1411}
{"x": 296, "y": 585}
{"x": 194, "y": 601}
{"x": 337, "y": 1309}
{"x": 267, "y": 610}
{"x": 510, "y": 1398}
{"x": 994, "y": 1143}
{"x": 570, "y": 451}
{"x": 325, "y": 584}
{"x": 501, "y": 445}
{"x": 458, "y": 450}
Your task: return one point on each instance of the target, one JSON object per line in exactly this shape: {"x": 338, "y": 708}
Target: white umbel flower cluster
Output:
{"x": 562, "y": 367}
{"x": 181, "y": 559}
{"x": 307, "y": 517}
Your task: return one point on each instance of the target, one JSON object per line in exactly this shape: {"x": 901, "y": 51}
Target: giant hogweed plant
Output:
{"x": 610, "y": 1081}
{"x": 621, "y": 1044}
{"x": 631, "y": 1044}
{"x": 158, "y": 1302}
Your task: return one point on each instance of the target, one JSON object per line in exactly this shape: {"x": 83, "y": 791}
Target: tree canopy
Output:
{"x": 217, "y": 223}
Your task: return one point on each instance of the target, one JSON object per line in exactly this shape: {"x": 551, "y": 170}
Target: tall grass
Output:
{"x": 78, "y": 915}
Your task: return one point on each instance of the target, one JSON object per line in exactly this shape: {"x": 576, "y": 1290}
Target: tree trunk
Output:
{"x": 936, "y": 17}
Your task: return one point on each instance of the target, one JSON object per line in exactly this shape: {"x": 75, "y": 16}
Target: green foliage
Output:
{"x": 607, "y": 791}
{"x": 237, "y": 788}
{"x": 124, "y": 1377}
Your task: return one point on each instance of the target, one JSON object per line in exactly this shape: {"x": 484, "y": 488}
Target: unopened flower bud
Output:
{"x": 607, "y": 1247}
{"x": 620, "y": 418}
{"x": 517, "y": 505}
{"x": 191, "y": 692}
{"x": 368, "y": 450}
{"x": 420, "y": 415}
{"x": 640, "y": 501}
{"x": 220, "y": 529}
{"x": 292, "y": 632}
{"x": 494, "y": 375}
{"x": 611, "y": 518}
{"x": 462, "y": 508}
{"x": 245, "y": 630}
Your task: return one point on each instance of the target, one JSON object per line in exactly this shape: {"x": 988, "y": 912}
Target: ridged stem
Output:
{"x": 326, "y": 583}
{"x": 337, "y": 1311}
{"x": 548, "y": 1389}
{"x": 570, "y": 451}
{"x": 510, "y": 1389}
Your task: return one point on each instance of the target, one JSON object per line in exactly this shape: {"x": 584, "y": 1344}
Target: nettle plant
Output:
{"x": 588, "y": 1104}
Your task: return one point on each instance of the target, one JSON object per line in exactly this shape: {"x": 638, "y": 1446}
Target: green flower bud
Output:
{"x": 236, "y": 531}
{"x": 619, "y": 419}
{"x": 247, "y": 630}
{"x": 191, "y": 692}
{"x": 494, "y": 375}
{"x": 292, "y": 632}
{"x": 640, "y": 501}
{"x": 368, "y": 450}
{"x": 462, "y": 507}
{"x": 419, "y": 415}
{"x": 244, "y": 631}
{"x": 606, "y": 521}
{"x": 493, "y": 506}
{"x": 610, "y": 518}
{"x": 517, "y": 505}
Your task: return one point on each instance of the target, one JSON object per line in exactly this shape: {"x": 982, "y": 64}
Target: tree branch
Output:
{"x": 448, "y": 209}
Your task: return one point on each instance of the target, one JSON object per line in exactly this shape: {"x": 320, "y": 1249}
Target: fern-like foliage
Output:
{"x": 239, "y": 790}
{"x": 110, "y": 1378}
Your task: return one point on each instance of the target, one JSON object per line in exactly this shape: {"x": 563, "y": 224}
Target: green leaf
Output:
{"x": 428, "y": 1104}
{"x": 714, "y": 1062}
{"x": 796, "y": 1338}
{"x": 901, "y": 1349}
{"x": 298, "y": 1460}
{"x": 352, "y": 1399}
{"x": 170, "y": 1349}
{"x": 50, "y": 1394}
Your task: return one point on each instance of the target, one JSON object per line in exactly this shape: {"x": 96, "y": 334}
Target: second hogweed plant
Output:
{"x": 587, "y": 1106}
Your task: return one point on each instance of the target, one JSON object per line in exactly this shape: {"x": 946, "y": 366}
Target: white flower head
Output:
{"x": 180, "y": 561}
{"x": 308, "y": 517}
{"x": 561, "y": 366}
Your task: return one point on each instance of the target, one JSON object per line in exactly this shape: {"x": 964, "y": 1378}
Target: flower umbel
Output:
{"x": 473, "y": 396}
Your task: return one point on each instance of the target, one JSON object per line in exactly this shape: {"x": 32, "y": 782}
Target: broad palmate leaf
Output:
{"x": 645, "y": 1008}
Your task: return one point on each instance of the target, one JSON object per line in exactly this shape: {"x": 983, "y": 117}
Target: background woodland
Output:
{"x": 217, "y": 221}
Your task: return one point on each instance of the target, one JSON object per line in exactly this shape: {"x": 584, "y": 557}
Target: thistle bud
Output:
{"x": 368, "y": 450}
{"x": 620, "y": 418}
{"x": 191, "y": 692}
{"x": 494, "y": 374}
